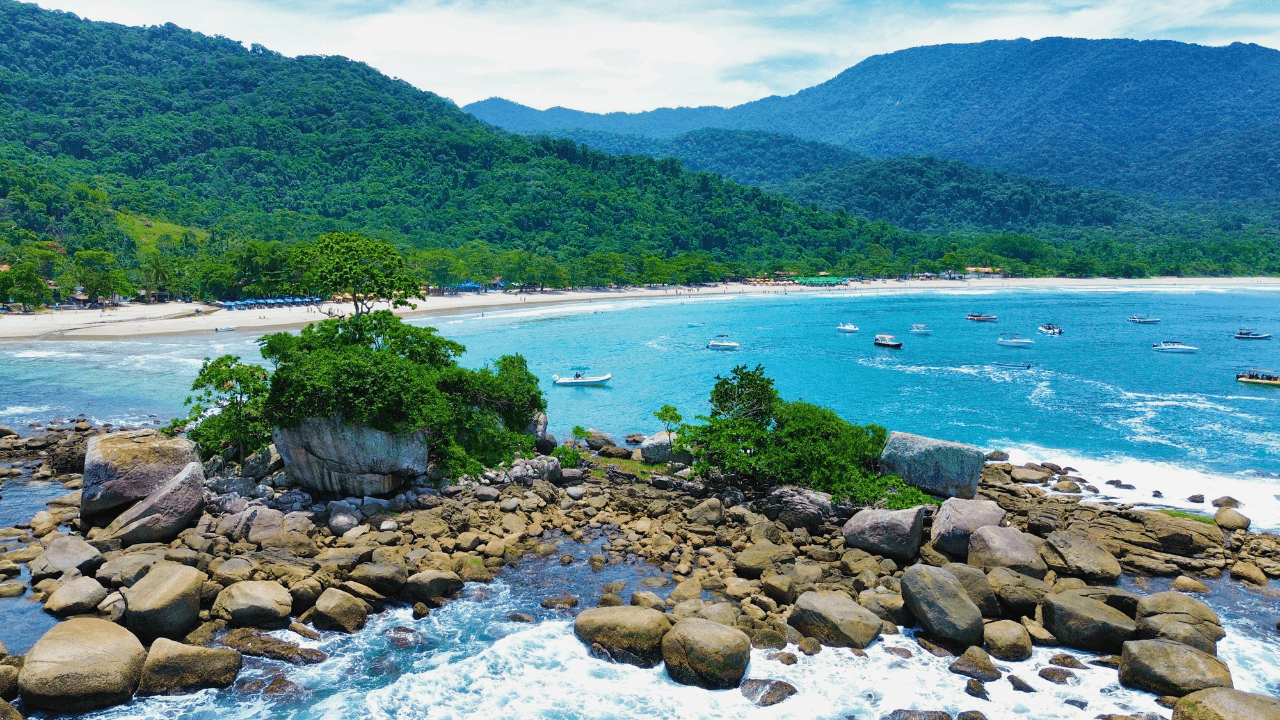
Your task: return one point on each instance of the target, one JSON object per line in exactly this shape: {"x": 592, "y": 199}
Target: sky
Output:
{"x": 634, "y": 55}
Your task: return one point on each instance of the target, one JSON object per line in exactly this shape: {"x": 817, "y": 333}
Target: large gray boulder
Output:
{"x": 1006, "y": 547}
{"x": 1226, "y": 704}
{"x": 350, "y": 459}
{"x": 938, "y": 467}
{"x": 165, "y": 602}
{"x": 659, "y": 448}
{"x": 628, "y": 633}
{"x": 834, "y": 619}
{"x": 1086, "y": 624}
{"x": 76, "y": 597}
{"x": 253, "y": 602}
{"x": 164, "y": 513}
{"x": 175, "y": 669}
{"x": 1181, "y": 618}
{"x": 937, "y": 599}
{"x": 797, "y": 507}
{"x": 262, "y": 463}
{"x": 1165, "y": 667}
{"x": 706, "y": 654}
{"x": 893, "y": 533}
{"x": 958, "y": 518}
{"x": 67, "y": 553}
{"x": 1072, "y": 554}
{"x": 80, "y": 665}
{"x": 125, "y": 467}
{"x": 1017, "y": 594}
{"x": 977, "y": 587}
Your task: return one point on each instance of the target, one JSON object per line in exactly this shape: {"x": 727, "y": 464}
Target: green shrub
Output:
{"x": 237, "y": 391}
{"x": 570, "y": 457}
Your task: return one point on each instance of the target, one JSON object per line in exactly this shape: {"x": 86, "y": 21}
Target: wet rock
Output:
{"x": 122, "y": 468}
{"x": 994, "y": 547}
{"x": 834, "y": 619}
{"x": 1226, "y": 501}
{"x": 958, "y": 518}
{"x": 810, "y": 646}
{"x": 1249, "y": 573}
{"x": 768, "y": 640}
{"x": 1019, "y": 684}
{"x": 163, "y": 513}
{"x": 559, "y": 602}
{"x": 629, "y": 634}
{"x": 975, "y": 663}
{"x": 1165, "y": 667}
{"x": 1067, "y": 661}
{"x": 1177, "y": 617}
{"x": 892, "y": 533}
{"x": 253, "y": 602}
{"x": 764, "y": 693}
{"x": 80, "y": 665}
{"x": 1196, "y": 499}
{"x": 938, "y": 600}
{"x": 976, "y": 688}
{"x": 917, "y": 715}
{"x": 248, "y": 641}
{"x": 165, "y": 602}
{"x": 431, "y": 584}
{"x": 76, "y": 597}
{"x": 172, "y": 668}
{"x": 1226, "y": 704}
{"x": 706, "y": 654}
{"x": 1074, "y": 555}
{"x": 1007, "y": 640}
{"x": 1229, "y": 519}
{"x": 1086, "y": 624}
{"x": 341, "y": 611}
{"x": 1185, "y": 584}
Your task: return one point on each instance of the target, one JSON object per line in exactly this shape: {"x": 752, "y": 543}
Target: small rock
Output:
{"x": 810, "y": 646}
{"x": 764, "y": 693}
{"x": 1067, "y": 661}
{"x": 1020, "y": 685}
{"x": 1196, "y": 499}
{"x": 785, "y": 658}
{"x": 977, "y": 689}
{"x": 975, "y": 663}
{"x": 1226, "y": 501}
{"x": 1185, "y": 584}
{"x": 520, "y": 617}
{"x": 1248, "y": 572}
{"x": 1229, "y": 519}
{"x": 1057, "y": 675}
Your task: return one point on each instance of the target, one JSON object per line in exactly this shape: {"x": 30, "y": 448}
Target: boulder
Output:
{"x": 338, "y": 610}
{"x": 385, "y": 579}
{"x": 893, "y": 533}
{"x": 1177, "y": 617}
{"x": 1072, "y": 554}
{"x": 125, "y": 467}
{"x": 706, "y": 654}
{"x": 975, "y": 663}
{"x": 431, "y": 584}
{"x": 80, "y": 665}
{"x": 1017, "y": 594}
{"x": 1226, "y": 704}
{"x": 707, "y": 512}
{"x": 763, "y": 693}
{"x": 834, "y": 619}
{"x": 350, "y": 459}
{"x": 628, "y": 633}
{"x": 173, "y": 668}
{"x": 938, "y": 467}
{"x": 958, "y": 518}
{"x": 938, "y": 600}
{"x": 1086, "y": 624}
{"x": 67, "y": 553}
{"x": 76, "y": 597}
{"x": 1165, "y": 667}
{"x": 1006, "y": 547}
{"x": 165, "y": 602}
{"x": 1231, "y": 519}
{"x": 797, "y": 507}
{"x": 164, "y": 513}
{"x": 263, "y": 463}
{"x": 755, "y": 559}
{"x": 977, "y": 587}
{"x": 253, "y": 602}
{"x": 659, "y": 448}
{"x": 597, "y": 440}
{"x": 1007, "y": 640}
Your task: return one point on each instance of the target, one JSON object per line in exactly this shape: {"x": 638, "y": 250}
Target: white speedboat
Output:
{"x": 1143, "y": 320}
{"x": 1015, "y": 341}
{"x": 1051, "y": 329}
{"x": 979, "y": 317}
{"x": 229, "y": 328}
{"x": 1251, "y": 334}
{"x": 847, "y": 328}
{"x": 722, "y": 342}
{"x": 580, "y": 379}
{"x": 1173, "y": 346}
{"x": 887, "y": 341}
{"x": 921, "y": 329}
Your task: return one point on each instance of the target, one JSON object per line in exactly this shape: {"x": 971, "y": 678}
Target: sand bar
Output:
{"x": 139, "y": 320}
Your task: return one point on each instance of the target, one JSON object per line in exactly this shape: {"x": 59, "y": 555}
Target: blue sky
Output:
{"x": 629, "y": 55}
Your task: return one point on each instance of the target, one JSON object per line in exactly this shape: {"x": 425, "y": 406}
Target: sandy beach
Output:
{"x": 138, "y": 320}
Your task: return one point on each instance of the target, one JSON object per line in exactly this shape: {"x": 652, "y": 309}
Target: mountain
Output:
{"x": 1162, "y": 117}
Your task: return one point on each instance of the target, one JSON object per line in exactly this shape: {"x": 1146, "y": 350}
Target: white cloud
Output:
{"x": 612, "y": 55}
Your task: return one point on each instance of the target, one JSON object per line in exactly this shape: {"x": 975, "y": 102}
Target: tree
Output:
{"x": 228, "y": 411}
{"x": 100, "y": 275}
{"x": 669, "y": 416}
{"x": 368, "y": 270}
{"x": 22, "y": 284}
{"x": 744, "y": 395}
{"x": 440, "y": 268}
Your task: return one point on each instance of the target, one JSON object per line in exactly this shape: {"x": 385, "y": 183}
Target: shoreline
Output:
{"x": 135, "y": 321}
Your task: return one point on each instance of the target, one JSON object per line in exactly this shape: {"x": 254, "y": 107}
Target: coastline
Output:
{"x": 132, "y": 321}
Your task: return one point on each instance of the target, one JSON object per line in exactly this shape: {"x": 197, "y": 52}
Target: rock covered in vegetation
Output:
{"x": 122, "y": 468}
{"x": 705, "y": 653}
{"x": 350, "y": 458}
{"x": 938, "y": 467}
{"x": 80, "y": 665}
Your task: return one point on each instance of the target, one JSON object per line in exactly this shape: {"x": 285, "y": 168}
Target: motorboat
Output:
{"x": 1051, "y": 329}
{"x": 887, "y": 341}
{"x": 921, "y": 329}
{"x": 1255, "y": 376}
{"x": 1143, "y": 320}
{"x": 847, "y": 328}
{"x": 1251, "y": 334}
{"x": 229, "y": 328}
{"x": 1015, "y": 341}
{"x": 580, "y": 379}
{"x": 722, "y": 342}
{"x": 979, "y": 317}
{"x": 696, "y": 324}
{"x": 1020, "y": 366}
{"x": 1173, "y": 346}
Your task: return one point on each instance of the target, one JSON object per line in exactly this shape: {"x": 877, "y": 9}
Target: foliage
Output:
{"x": 570, "y": 457}
{"x": 367, "y": 270}
{"x": 227, "y": 412}
{"x": 100, "y": 275}
{"x": 374, "y": 369}
{"x": 1187, "y": 516}
{"x": 22, "y": 284}
{"x": 669, "y": 416}
{"x": 580, "y": 433}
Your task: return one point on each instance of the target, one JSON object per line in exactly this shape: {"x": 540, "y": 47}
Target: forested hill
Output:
{"x": 1165, "y": 117}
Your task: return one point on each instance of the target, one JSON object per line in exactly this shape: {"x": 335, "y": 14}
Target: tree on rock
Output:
{"x": 368, "y": 270}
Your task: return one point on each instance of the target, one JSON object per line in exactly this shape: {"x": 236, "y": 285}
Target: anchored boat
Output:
{"x": 1173, "y": 346}
{"x": 979, "y": 317}
{"x": 580, "y": 379}
{"x": 1255, "y": 376}
{"x": 1143, "y": 320}
{"x": 1015, "y": 341}
{"x": 718, "y": 344}
{"x": 847, "y": 328}
{"x": 1251, "y": 334}
{"x": 1051, "y": 329}
{"x": 921, "y": 329}
{"x": 887, "y": 341}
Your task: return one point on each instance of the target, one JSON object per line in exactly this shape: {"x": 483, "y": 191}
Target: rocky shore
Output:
{"x": 169, "y": 573}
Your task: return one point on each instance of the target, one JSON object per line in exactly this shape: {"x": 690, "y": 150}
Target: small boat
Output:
{"x": 1173, "y": 346}
{"x": 921, "y": 329}
{"x": 847, "y": 328}
{"x": 229, "y": 328}
{"x": 979, "y": 317}
{"x": 1020, "y": 366}
{"x": 1251, "y": 334}
{"x": 1015, "y": 341}
{"x": 718, "y": 344}
{"x": 696, "y": 324}
{"x": 1051, "y": 329}
{"x": 580, "y": 379}
{"x": 1255, "y": 376}
{"x": 1143, "y": 320}
{"x": 887, "y": 341}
